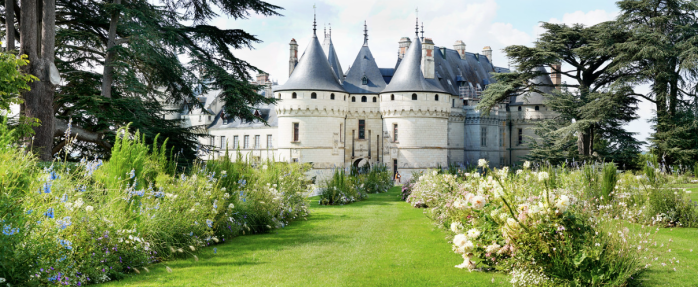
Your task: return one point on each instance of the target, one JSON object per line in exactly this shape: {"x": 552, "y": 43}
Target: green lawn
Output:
{"x": 378, "y": 242}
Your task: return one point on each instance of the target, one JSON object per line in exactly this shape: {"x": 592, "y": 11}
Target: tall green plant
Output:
{"x": 610, "y": 178}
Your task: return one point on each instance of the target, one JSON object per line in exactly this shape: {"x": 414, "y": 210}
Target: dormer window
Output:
{"x": 364, "y": 80}
{"x": 331, "y": 96}
{"x": 293, "y": 96}
{"x": 363, "y": 99}
{"x": 414, "y": 97}
{"x": 257, "y": 113}
{"x": 537, "y": 108}
{"x": 353, "y": 99}
{"x": 313, "y": 96}
{"x": 374, "y": 99}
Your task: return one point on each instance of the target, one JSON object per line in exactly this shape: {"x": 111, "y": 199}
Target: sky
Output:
{"x": 478, "y": 23}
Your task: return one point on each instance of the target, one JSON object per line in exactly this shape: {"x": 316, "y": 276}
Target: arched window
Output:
{"x": 279, "y": 95}
{"x": 293, "y": 96}
{"x": 345, "y": 98}
{"x": 519, "y": 108}
{"x": 353, "y": 99}
{"x": 331, "y": 96}
{"x": 374, "y": 99}
{"x": 392, "y": 97}
{"x": 436, "y": 97}
{"x": 363, "y": 99}
{"x": 537, "y": 108}
{"x": 313, "y": 96}
{"x": 364, "y": 81}
{"x": 414, "y": 97}
{"x": 465, "y": 102}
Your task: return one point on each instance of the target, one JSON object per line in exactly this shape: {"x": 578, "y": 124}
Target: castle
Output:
{"x": 418, "y": 115}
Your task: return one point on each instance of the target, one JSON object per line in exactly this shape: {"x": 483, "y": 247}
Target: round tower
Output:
{"x": 415, "y": 112}
{"x": 311, "y": 112}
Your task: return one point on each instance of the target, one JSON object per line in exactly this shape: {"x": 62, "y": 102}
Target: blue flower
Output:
{"x": 47, "y": 187}
{"x": 209, "y": 223}
{"x": 65, "y": 243}
{"x": 9, "y": 231}
{"x": 64, "y": 223}
{"x": 215, "y": 250}
{"x": 29, "y": 211}
{"x": 132, "y": 173}
{"x": 49, "y": 212}
{"x": 53, "y": 176}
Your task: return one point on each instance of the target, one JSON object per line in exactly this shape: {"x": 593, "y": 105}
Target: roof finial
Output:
{"x": 330, "y": 24}
{"x": 314, "y": 24}
{"x": 365, "y": 34}
{"x": 422, "y": 31}
{"x": 416, "y": 25}
{"x": 324, "y": 30}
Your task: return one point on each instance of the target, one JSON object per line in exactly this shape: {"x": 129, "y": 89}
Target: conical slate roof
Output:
{"x": 535, "y": 98}
{"x": 334, "y": 61}
{"x": 408, "y": 76}
{"x": 364, "y": 65}
{"x": 313, "y": 72}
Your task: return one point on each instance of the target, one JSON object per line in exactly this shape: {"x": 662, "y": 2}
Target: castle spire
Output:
{"x": 330, "y": 24}
{"x": 314, "y": 24}
{"x": 365, "y": 34}
{"x": 422, "y": 31}
{"x": 416, "y": 24}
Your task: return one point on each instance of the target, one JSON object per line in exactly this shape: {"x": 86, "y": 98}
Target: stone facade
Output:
{"x": 419, "y": 115}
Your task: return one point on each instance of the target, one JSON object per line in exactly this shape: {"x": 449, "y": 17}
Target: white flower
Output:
{"x": 466, "y": 264}
{"x": 89, "y": 208}
{"x": 511, "y": 223}
{"x": 223, "y": 189}
{"x": 542, "y": 176}
{"x": 231, "y": 206}
{"x": 482, "y": 163}
{"x": 224, "y": 172}
{"x": 456, "y": 226}
{"x": 478, "y": 202}
{"x": 460, "y": 240}
{"x": 476, "y": 175}
{"x": 473, "y": 233}
{"x": 492, "y": 248}
{"x": 527, "y": 164}
{"x": 459, "y": 204}
{"x": 562, "y": 203}
{"x": 79, "y": 203}
{"x": 519, "y": 171}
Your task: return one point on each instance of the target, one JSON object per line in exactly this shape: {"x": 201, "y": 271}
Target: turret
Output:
{"x": 293, "y": 59}
{"x": 459, "y": 46}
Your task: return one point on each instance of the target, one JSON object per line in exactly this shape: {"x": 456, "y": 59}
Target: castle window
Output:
{"x": 414, "y": 97}
{"x": 520, "y": 139}
{"x": 364, "y": 81}
{"x": 313, "y": 96}
{"x": 236, "y": 143}
{"x": 436, "y": 98}
{"x": 256, "y": 141}
{"x": 331, "y": 96}
{"x": 362, "y": 129}
{"x": 353, "y": 99}
{"x": 501, "y": 137}
{"x": 465, "y": 102}
{"x": 246, "y": 142}
{"x": 537, "y": 108}
{"x": 296, "y": 132}
{"x": 374, "y": 99}
{"x": 293, "y": 96}
{"x": 345, "y": 98}
{"x": 222, "y": 142}
{"x": 211, "y": 141}
{"x": 279, "y": 95}
{"x": 341, "y": 131}
{"x": 363, "y": 99}
{"x": 392, "y": 97}
{"x": 269, "y": 143}
{"x": 394, "y": 132}
{"x": 209, "y": 117}
{"x": 453, "y": 103}
{"x": 519, "y": 108}
{"x": 483, "y": 137}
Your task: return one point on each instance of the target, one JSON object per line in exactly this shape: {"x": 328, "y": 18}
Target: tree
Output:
{"x": 663, "y": 48}
{"x": 137, "y": 45}
{"x": 598, "y": 101}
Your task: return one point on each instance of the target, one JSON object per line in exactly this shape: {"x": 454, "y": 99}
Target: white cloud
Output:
{"x": 578, "y": 17}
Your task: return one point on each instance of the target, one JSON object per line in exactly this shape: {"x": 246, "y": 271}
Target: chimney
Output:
{"x": 556, "y": 76}
{"x": 262, "y": 78}
{"x": 428, "y": 58}
{"x": 459, "y": 46}
{"x": 404, "y": 44}
{"x": 487, "y": 51}
{"x": 293, "y": 57}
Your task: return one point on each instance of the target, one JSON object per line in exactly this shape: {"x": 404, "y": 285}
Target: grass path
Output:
{"x": 378, "y": 242}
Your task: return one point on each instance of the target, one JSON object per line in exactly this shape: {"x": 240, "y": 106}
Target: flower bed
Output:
{"x": 76, "y": 224}
{"x": 343, "y": 188}
{"x": 554, "y": 226}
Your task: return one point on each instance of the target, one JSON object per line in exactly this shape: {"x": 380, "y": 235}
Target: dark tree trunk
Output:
{"x": 37, "y": 42}
{"x": 10, "y": 23}
{"x": 108, "y": 74}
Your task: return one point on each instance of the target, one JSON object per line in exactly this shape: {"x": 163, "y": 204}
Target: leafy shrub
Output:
{"x": 91, "y": 222}
{"x": 340, "y": 189}
{"x": 374, "y": 179}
